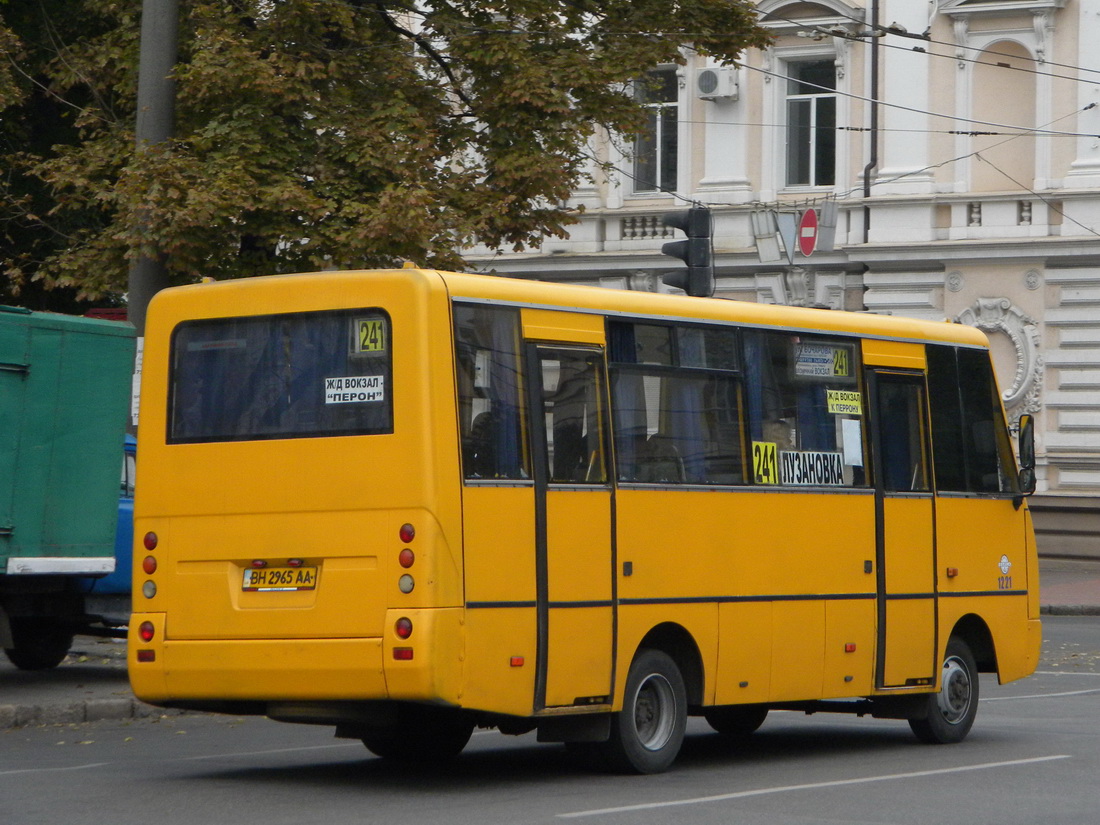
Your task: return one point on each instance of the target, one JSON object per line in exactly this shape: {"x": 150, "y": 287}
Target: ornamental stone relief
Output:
{"x": 999, "y": 316}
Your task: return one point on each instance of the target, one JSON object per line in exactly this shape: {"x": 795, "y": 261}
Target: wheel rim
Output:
{"x": 654, "y": 712}
{"x": 956, "y": 692}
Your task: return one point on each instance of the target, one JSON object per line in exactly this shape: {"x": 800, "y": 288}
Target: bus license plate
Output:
{"x": 280, "y": 578}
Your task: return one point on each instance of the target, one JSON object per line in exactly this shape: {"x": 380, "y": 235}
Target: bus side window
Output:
{"x": 971, "y": 449}
{"x": 573, "y": 412}
{"x": 900, "y": 418}
{"x": 491, "y": 424}
{"x": 676, "y": 404}
{"x": 805, "y": 409}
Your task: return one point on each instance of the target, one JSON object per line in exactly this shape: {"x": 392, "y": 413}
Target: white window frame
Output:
{"x": 661, "y": 188}
{"x": 814, "y": 98}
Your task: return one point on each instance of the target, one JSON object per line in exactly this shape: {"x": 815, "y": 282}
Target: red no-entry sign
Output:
{"x": 807, "y": 233}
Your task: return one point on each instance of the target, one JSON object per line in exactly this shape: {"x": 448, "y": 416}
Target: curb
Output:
{"x": 69, "y": 713}
{"x": 1070, "y": 609}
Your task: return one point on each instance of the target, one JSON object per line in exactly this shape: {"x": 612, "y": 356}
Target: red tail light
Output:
{"x": 403, "y": 627}
{"x": 150, "y": 541}
{"x": 146, "y": 631}
{"x": 407, "y": 533}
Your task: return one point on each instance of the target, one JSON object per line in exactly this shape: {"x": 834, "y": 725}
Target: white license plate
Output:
{"x": 280, "y": 578}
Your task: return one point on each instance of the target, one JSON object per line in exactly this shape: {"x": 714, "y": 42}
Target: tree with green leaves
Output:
{"x": 318, "y": 133}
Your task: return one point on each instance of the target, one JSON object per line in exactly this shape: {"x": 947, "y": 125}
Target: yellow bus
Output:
{"x": 410, "y": 503}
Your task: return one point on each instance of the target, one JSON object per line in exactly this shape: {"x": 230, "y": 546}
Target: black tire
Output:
{"x": 38, "y": 647}
{"x": 421, "y": 735}
{"x": 647, "y": 733}
{"x": 736, "y": 721}
{"x": 952, "y": 709}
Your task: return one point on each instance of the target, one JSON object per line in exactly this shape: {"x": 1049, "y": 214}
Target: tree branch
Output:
{"x": 430, "y": 50}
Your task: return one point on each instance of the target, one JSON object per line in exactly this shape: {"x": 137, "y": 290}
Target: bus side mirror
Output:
{"x": 1027, "y": 455}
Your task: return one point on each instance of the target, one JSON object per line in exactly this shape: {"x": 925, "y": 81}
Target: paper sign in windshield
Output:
{"x": 811, "y": 468}
{"x": 355, "y": 389}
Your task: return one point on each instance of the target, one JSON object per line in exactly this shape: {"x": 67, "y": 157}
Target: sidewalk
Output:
{"x": 91, "y": 684}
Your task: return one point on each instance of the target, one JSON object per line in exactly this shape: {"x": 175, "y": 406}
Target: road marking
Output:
{"x": 265, "y": 753}
{"x": 1064, "y": 673}
{"x": 1040, "y": 695}
{"x": 52, "y": 770}
{"x": 809, "y": 786}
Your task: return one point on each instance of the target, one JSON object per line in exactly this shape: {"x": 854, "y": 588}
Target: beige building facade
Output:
{"x": 957, "y": 145}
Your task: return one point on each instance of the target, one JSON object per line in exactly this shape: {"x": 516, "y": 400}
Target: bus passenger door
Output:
{"x": 567, "y": 393}
{"x": 905, "y": 537}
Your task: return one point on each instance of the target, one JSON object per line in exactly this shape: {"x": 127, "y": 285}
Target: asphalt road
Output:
{"x": 1033, "y": 756}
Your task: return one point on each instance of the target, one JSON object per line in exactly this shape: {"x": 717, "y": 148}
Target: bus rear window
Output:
{"x": 298, "y": 375}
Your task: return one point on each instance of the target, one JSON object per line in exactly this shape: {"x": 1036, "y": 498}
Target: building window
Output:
{"x": 811, "y": 123}
{"x": 655, "y": 149}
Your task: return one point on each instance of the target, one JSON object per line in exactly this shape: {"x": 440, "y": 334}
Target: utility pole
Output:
{"x": 156, "y": 104}
{"x": 872, "y": 160}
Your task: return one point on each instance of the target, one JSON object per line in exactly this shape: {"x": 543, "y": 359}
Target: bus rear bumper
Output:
{"x": 258, "y": 670}
{"x": 427, "y": 666}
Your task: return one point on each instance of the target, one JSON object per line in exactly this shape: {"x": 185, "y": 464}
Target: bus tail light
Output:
{"x": 406, "y": 557}
{"x": 146, "y": 631}
{"x": 407, "y": 533}
{"x": 406, "y": 584}
{"x": 403, "y": 627}
{"x": 149, "y": 565}
{"x": 403, "y": 654}
{"x": 150, "y": 540}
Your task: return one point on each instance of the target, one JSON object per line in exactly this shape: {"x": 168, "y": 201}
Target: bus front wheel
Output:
{"x": 647, "y": 733}
{"x": 952, "y": 709}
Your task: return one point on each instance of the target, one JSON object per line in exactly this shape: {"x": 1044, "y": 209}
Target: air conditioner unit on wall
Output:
{"x": 716, "y": 83}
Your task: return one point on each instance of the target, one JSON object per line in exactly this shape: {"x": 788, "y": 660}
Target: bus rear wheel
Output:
{"x": 422, "y": 735}
{"x": 647, "y": 733}
{"x": 952, "y": 709}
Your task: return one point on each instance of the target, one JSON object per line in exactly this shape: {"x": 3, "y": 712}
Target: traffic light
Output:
{"x": 698, "y": 279}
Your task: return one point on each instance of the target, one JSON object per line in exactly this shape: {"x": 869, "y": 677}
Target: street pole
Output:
{"x": 872, "y": 160}
{"x": 156, "y": 103}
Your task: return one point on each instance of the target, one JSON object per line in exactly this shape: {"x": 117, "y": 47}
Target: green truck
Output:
{"x": 64, "y": 398}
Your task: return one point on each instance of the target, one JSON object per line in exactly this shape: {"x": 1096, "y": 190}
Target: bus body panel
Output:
{"x": 501, "y": 624}
{"x": 910, "y": 603}
{"x": 849, "y": 668}
{"x": 580, "y": 611}
{"x": 742, "y": 674}
{"x": 501, "y": 659}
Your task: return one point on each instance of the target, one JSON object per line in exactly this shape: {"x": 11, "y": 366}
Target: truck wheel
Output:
{"x": 951, "y": 710}
{"x": 647, "y": 733}
{"x": 36, "y": 647}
